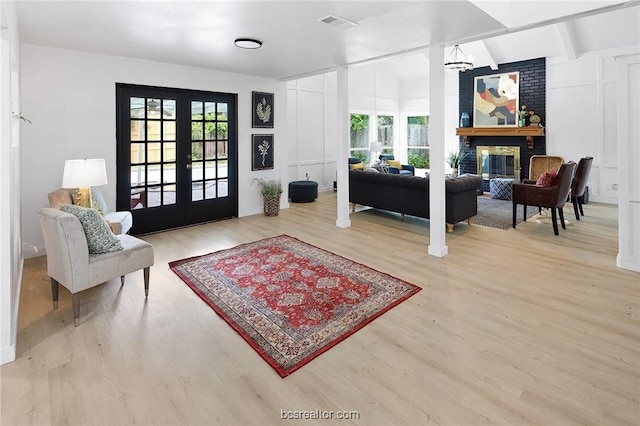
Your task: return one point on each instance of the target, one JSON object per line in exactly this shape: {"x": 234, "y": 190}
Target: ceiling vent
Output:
{"x": 338, "y": 22}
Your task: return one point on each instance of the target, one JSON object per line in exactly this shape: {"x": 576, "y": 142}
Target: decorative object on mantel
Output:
{"x": 534, "y": 120}
{"x": 262, "y": 110}
{"x": 454, "y": 160}
{"x": 465, "y": 120}
{"x": 522, "y": 116}
{"x": 495, "y": 100}
{"x": 527, "y": 132}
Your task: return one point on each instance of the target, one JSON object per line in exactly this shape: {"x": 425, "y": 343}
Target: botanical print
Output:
{"x": 495, "y": 101}
{"x": 261, "y": 152}
{"x": 262, "y": 110}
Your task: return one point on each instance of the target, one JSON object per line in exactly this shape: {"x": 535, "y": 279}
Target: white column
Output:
{"x": 628, "y": 112}
{"x": 342, "y": 151}
{"x": 437, "y": 225}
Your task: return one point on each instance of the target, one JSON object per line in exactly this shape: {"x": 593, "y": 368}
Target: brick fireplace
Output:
{"x": 532, "y": 94}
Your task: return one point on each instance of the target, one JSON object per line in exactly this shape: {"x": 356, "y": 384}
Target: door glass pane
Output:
{"x": 169, "y": 151}
{"x": 137, "y": 153}
{"x": 196, "y": 110}
{"x": 196, "y": 131}
{"x": 209, "y": 150}
{"x": 153, "y": 152}
{"x": 222, "y": 111}
{"x": 221, "y": 130}
{"x": 153, "y": 173}
{"x": 138, "y": 198}
{"x": 210, "y": 170}
{"x": 168, "y": 194}
{"x": 153, "y": 108}
{"x": 196, "y": 191}
{"x": 222, "y": 149}
{"x": 169, "y": 173}
{"x": 210, "y": 189}
{"x": 209, "y": 130}
{"x": 138, "y": 175}
{"x": 197, "y": 170}
{"x": 153, "y": 130}
{"x": 137, "y": 107}
{"x": 223, "y": 169}
{"x": 137, "y": 130}
{"x": 223, "y": 188}
{"x": 153, "y": 196}
{"x": 169, "y": 109}
{"x": 196, "y": 151}
{"x": 169, "y": 130}
{"x": 209, "y": 111}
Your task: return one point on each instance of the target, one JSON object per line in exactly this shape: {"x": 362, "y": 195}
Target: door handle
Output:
{"x": 188, "y": 157}
{"x": 189, "y": 166}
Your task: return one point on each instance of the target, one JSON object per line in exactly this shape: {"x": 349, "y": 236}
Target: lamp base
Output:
{"x": 83, "y": 197}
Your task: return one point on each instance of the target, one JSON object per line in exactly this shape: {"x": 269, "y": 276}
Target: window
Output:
{"x": 418, "y": 141}
{"x": 359, "y": 145}
{"x": 385, "y": 133}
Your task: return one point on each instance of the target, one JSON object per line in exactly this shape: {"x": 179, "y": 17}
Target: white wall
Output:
{"x": 311, "y": 126}
{"x": 10, "y": 244}
{"x": 70, "y": 98}
{"x": 581, "y": 116}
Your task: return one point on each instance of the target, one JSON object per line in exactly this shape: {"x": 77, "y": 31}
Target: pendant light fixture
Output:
{"x": 458, "y": 60}
{"x": 248, "y": 43}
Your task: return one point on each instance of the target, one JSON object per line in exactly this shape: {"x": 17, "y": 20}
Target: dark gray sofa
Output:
{"x": 410, "y": 195}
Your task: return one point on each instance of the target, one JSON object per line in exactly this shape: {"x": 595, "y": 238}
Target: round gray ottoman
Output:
{"x": 303, "y": 191}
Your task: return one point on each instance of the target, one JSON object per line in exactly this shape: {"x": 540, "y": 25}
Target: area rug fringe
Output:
{"x": 246, "y": 312}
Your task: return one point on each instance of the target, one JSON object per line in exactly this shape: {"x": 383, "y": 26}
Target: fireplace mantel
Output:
{"x": 527, "y": 132}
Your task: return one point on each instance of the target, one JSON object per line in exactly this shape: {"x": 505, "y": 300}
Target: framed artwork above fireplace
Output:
{"x": 496, "y": 100}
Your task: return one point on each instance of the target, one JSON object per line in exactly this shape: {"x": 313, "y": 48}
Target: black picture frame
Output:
{"x": 261, "y": 152}
{"x": 262, "y": 110}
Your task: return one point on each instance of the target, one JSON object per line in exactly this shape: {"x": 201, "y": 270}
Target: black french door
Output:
{"x": 177, "y": 156}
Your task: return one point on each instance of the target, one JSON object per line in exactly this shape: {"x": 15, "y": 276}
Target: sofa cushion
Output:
{"x": 394, "y": 163}
{"x": 357, "y": 166}
{"x": 97, "y": 201}
{"x": 60, "y": 197}
{"x": 100, "y": 239}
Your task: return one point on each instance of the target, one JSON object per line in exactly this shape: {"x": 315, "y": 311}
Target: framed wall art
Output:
{"x": 495, "y": 100}
{"x": 261, "y": 152}
{"x": 262, "y": 110}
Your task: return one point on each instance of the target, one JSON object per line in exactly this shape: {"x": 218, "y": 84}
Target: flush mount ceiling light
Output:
{"x": 458, "y": 60}
{"x": 248, "y": 43}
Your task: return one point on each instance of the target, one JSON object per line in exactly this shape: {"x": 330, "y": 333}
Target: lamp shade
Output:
{"x": 84, "y": 173}
{"x": 376, "y": 146}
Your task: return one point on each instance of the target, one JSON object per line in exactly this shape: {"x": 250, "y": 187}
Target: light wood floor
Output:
{"x": 512, "y": 327}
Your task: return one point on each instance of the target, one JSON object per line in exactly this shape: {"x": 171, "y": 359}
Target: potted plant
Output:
{"x": 454, "y": 160}
{"x": 271, "y": 191}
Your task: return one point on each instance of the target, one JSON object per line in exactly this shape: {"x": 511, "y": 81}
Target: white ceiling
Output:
{"x": 296, "y": 43}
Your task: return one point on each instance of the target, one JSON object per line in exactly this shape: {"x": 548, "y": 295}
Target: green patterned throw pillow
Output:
{"x": 100, "y": 239}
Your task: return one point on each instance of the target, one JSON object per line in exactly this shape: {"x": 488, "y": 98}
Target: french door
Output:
{"x": 177, "y": 156}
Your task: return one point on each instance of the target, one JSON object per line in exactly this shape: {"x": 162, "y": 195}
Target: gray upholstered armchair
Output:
{"x": 69, "y": 262}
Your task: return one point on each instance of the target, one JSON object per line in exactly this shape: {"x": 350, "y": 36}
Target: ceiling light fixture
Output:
{"x": 458, "y": 60}
{"x": 248, "y": 43}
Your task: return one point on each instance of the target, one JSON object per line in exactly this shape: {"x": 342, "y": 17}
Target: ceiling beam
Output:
{"x": 567, "y": 39}
{"x": 490, "y": 55}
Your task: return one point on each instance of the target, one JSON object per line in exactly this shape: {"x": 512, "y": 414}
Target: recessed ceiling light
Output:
{"x": 248, "y": 43}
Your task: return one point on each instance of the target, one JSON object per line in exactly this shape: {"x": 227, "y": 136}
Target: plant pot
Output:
{"x": 272, "y": 205}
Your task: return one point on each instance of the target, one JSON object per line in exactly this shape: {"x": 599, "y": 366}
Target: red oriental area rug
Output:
{"x": 289, "y": 300}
